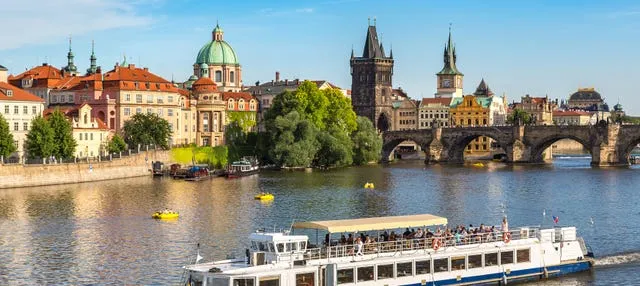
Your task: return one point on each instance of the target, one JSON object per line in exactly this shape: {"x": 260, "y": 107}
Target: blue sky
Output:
{"x": 519, "y": 47}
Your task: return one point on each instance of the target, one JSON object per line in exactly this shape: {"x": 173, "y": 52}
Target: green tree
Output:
{"x": 7, "y": 146}
{"x": 367, "y": 144}
{"x": 40, "y": 139}
{"x": 116, "y": 144}
{"x": 65, "y": 146}
{"x": 340, "y": 114}
{"x": 295, "y": 141}
{"x": 335, "y": 149}
{"x": 146, "y": 129}
{"x": 519, "y": 116}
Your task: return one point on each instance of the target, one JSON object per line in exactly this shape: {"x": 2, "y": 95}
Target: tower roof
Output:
{"x": 217, "y": 51}
{"x": 450, "y": 58}
{"x": 483, "y": 89}
{"x": 372, "y": 46}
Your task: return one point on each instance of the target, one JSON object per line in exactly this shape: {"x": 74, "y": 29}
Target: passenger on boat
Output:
{"x": 393, "y": 236}
{"x": 505, "y": 225}
{"x": 350, "y": 239}
{"x": 385, "y": 236}
{"x": 359, "y": 246}
{"x": 406, "y": 233}
{"x": 343, "y": 239}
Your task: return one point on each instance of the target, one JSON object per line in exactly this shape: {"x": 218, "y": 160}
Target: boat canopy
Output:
{"x": 373, "y": 223}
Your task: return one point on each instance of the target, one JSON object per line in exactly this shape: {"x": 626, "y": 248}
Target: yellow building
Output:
{"x": 91, "y": 134}
{"x": 471, "y": 110}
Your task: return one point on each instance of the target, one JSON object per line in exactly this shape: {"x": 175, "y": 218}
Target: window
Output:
{"x": 280, "y": 247}
{"x": 149, "y": 110}
{"x": 9, "y": 92}
{"x": 305, "y": 279}
{"x": 385, "y": 271}
{"x": 138, "y": 98}
{"x": 218, "y": 76}
{"x": 25, "y": 110}
{"x": 441, "y": 265}
{"x": 127, "y": 97}
{"x": 474, "y": 261}
{"x": 160, "y": 99}
{"x": 365, "y": 273}
{"x": 149, "y": 98}
{"x": 25, "y": 126}
{"x": 243, "y": 282}
{"x": 423, "y": 267}
{"x": 345, "y": 276}
{"x": 230, "y": 106}
{"x": 6, "y": 109}
{"x": 15, "y": 126}
{"x": 458, "y": 263}
{"x": 80, "y": 137}
{"x": 90, "y": 136}
{"x": 186, "y": 128}
{"x": 15, "y": 109}
{"x": 292, "y": 246}
{"x": 252, "y": 105}
{"x": 232, "y": 76}
{"x": 127, "y": 111}
{"x": 490, "y": 259}
{"x": 160, "y": 112}
{"x": 138, "y": 110}
{"x": 404, "y": 269}
{"x": 506, "y": 257}
{"x": 523, "y": 255}
{"x": 171, "y": 126}
{"x": 34, "y": 110}
{"x": 169, "y": 112}
{"x": 170, "y": 98}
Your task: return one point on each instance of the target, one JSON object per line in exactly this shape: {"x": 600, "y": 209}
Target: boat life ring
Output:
{"x": 436, "y": 244}
{"x": 506, "y": 237}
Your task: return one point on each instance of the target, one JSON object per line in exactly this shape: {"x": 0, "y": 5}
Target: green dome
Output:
{"x": 217, "y": 52}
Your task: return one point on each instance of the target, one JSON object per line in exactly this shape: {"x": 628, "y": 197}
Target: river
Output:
{"x": 102, "y": 232}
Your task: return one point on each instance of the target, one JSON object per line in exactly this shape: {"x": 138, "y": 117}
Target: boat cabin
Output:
{"x": 269, "y": 248}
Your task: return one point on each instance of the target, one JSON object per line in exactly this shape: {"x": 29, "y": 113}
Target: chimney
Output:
{"x": 277, "y": 76}
{"x": 146, "y": 69}
{"x": 132, "y": 66}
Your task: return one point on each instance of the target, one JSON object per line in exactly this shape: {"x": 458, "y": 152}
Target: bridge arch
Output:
{"x": 391, "y": 140}
{"x": 627, "y": 147}
{"x": 457, "y": 145}
{"x": 538, "y": 148}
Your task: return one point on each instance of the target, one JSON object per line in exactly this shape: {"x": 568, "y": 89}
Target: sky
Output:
{"x": 519, "y": 47}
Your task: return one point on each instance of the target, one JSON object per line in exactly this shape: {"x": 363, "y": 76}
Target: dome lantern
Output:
{"x": 217, "y": 51}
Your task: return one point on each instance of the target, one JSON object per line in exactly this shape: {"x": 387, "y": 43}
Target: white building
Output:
{"x": 433, "y": 111}
{"x": 19, "y": 108}
{"x": 91, "y": 134}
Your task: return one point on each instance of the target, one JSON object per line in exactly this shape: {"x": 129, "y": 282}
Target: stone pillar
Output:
{"x": 606, "y": 154}
{"x": 436, "y": 152}
{"x": 518, "y": 152}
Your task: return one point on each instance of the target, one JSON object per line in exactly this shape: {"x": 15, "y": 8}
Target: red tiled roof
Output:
{"x": 18, "y": 94}
{"x": 125, "y": 78}
{"x": 570, "y": 113}
{"x": 66, "y": 110}
{"x": 44, "y": 71}
{"x": 204, "y": 85}
{"x": 101, "y": 125}
{"x": 237, "y": 95}
{"x": 440, "y": 100}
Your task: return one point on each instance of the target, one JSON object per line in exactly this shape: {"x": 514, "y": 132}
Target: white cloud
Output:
{"x": 38, "y": 21}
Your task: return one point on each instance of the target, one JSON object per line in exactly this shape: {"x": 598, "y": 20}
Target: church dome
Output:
{"x": 586, "y": 94}
{"x": 617, "y": 107}
{"x": 217, "y": 51}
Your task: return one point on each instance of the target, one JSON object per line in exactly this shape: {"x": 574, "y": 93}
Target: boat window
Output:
{"x": 365, "y": 273}
{"x": 243, "y": 282}
{"x": 323, "y": 276}
{"x": 269, "y": 281}
{"x": 441, "y": 265}
{"x": 404, "y": 269}
{"x": 474, "y": 261}
{"x": 423, "y": 267}
{"x": 254, "y": 245}
{"x": 262, "y": 246}
{"x": 385, "y": 271}
{"x": 490, "y": 259}
{"x": 457, "y": 263}
{"x": 506, "y": 257}
{"x": 280, "y": 247}
{"x": 271, "y": 247}
{"x": 345, "y": 276}
{"x": 218, "y": 281}
{"x": 305, "y": 279}
{"x": 292, "y": 246}
{"x": 523, "y": 255}
{"x": 303, "y": 245}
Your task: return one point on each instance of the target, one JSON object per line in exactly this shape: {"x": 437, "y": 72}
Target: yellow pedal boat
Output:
{"x": 264, "y": 196}
{"x": 478, "y": 164}
{"x": 165, "y": 215}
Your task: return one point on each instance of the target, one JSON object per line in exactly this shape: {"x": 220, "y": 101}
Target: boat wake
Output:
{"x": 623, "y": 258}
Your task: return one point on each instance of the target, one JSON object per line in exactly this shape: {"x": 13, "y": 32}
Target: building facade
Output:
{"x": 540, "y": 108}
{"x": 218, "y": 61}
{"x": 449, "y": 79}
{"x": 433, "y": 112}
{"x": 211, "y": 113}
{"x": 586, "y": 99}
{"x": 19, "y": 108}
{"x": 470, "y": 111}
{"x": 571, "y": 117}
{"x": 91, "y": 134}
{"x": 371, "y": 82}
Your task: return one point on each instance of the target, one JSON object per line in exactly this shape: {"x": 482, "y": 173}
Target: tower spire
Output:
{"x": 93, "y": 67}
{"x": 70, "y": 68}
{"x": 450, "y": 56}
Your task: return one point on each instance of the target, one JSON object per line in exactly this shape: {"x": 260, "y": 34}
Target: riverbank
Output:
{"x": 32, "y": 175}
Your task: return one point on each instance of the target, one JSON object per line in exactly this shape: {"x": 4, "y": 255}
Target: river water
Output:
{"x": 102, "y": 232}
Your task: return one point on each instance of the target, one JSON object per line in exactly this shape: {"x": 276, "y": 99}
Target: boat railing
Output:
{"x": 403, "y": 245}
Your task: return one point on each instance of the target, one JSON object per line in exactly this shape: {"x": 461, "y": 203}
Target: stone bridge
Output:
{"x": 609, "y": 144}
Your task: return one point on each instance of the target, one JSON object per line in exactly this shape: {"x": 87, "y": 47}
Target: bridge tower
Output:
{"x": 371, "y": 79}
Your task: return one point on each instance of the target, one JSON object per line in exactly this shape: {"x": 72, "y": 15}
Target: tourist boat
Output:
{"x": 242, "y": 168}
{"x": 165, "y": 214}
{"x": 284, "y": 258}
{"x": 264, "y": 196}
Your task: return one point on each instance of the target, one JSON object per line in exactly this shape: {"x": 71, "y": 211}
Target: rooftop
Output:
{"x": 10, "y": 92}
{"x": 374, "y": 223}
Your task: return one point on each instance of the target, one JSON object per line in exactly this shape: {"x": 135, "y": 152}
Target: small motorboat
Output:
{"x": 369, "y": 186}
{"x": 264, "y": 196}
{"x": 165, "y": 214}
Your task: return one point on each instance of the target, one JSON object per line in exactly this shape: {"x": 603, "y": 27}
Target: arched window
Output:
{"x": 484, "y": 121}
{"x": 252, "y": 105}
{"x": 85, "y": 119}
{"x": 469, "y": 121}
{"x": 241, "y": 104}
{"x": 232, "y": 76}
{"x": 477, "y": 122}
{"x": 230, "y": 106}
{"x": 218, "y": 76}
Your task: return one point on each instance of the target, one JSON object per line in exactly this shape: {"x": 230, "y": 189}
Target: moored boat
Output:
{"x": 488, "y": 257}
{"x": 242, "y": 168}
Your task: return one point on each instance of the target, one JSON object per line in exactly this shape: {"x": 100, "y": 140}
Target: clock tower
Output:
{"x": 449, "y": 78}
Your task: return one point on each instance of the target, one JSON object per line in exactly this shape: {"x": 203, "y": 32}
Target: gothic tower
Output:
{"x": 371, "y": 78}
{"x": 449, "y": 78}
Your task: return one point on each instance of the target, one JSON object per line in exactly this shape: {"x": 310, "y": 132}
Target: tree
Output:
{"x": 146, "y": 129}
{"x": 40, "y": 139}
{"x": 7, "y": 146}
{"x": 295, "y": 141}
{"x": 519, "y": 117}
{"x": 367, "y": 144}
{"x": 335, "y": 149}
{"x": 65, "y": 146}
{"x": 116, "y": 144}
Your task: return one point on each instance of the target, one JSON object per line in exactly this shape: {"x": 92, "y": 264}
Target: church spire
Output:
{"x": 93, "y": 67}
{"x": 450, "y": 57}
{"x": 70, "y": 68}
{"x": 372, "y": 46}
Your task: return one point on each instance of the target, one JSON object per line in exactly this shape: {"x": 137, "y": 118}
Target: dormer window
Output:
{"x": 136, "y": 84}
{"x": 9, "y": 93}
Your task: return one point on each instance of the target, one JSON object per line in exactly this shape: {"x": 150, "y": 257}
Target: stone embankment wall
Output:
{"x": 568, "y": 146}
{"x": 18, "y": 175}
